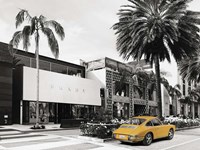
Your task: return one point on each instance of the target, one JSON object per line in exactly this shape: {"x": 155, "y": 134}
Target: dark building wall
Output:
{"x": 5, "y": 85}
{"x": 4, "y": 53}
{"x": 5, "y": 93}
{"x": 17, "y": 92}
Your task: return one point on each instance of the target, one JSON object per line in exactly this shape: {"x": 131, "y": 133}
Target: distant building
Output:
{"x": 191, "y": 109}
{"x": 124, "y": 103}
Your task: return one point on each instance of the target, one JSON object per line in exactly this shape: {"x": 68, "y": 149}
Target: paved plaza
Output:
{"x": 21, "y": 137}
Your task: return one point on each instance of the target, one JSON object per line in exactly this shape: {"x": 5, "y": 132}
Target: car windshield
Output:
{"x": 136, "y": 121}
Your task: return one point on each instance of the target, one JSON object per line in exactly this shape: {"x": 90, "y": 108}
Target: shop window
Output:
{"x": 102, "y": 92}
{"x": 151, "y": 94}
{"x": 83, "y": 112}
{"x": 137, "y": 94}
{"x": 32, "y": 111}
{"x": 121, "y": 110}
{"x": 51, "y": 112}
{"x": 121, "y": 89}
{"x": 43, "y": 112}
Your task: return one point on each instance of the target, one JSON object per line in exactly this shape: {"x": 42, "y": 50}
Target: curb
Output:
{"x": 38, "y": 130}
{"x": 187, "y": 128}
{"x": 44, "y": 130}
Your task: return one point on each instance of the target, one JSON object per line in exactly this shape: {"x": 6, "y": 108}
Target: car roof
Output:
{"x": 145, "y": 117}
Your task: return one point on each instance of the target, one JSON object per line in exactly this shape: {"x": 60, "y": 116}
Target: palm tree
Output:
{"x": 190, "y": 68}
{"x": 192, "y": 97}
{"x": 195, "y": 93}
{"x": 175, "y": 94}
{"x": 154, "y": 29}
{"x": 34, "y": 27}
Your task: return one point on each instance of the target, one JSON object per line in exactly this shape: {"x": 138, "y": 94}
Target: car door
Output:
{"x": 157, "y": 128}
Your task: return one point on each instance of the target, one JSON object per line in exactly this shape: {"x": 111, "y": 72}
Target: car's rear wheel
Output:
{"x": 148, "y": 139}
{"x": 170, "y": 134}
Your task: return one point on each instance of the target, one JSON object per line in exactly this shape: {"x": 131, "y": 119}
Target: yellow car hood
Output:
{"x": 126, "y": 129}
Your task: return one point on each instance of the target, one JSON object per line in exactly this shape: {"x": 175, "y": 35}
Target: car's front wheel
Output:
{"x": 148, "y": 139}
{"x": 170, "y": 134}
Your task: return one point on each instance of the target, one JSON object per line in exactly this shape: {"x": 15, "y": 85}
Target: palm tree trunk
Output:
{"x": 158, "y": 87}
{"x": 176, "y": 104}
{"x": 37, "y": 67}
{"x": 147, "y": 99}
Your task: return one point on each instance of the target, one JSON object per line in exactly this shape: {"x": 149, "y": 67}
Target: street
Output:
{"x": 185, "y": 139}
{"x": 67, "y": 140}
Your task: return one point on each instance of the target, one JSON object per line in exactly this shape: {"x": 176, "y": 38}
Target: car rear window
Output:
{"x": 137, "y": 121}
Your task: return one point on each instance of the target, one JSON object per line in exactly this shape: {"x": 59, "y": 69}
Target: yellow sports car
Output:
{"x": 145, "y": 129}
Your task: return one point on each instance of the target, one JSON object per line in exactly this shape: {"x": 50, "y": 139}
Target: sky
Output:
{"x": 87, "y": 25}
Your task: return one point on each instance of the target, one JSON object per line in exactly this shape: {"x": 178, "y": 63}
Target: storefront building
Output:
{"x": 65, "y": 93}
{"x": 186, "y": 108}
{"x": 121, "y": 99}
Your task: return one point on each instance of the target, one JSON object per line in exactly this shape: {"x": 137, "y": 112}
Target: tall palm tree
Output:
{"x": 35, "y": 26}
{"x": 175, "y": 94}
{"x": 154, "y": 29}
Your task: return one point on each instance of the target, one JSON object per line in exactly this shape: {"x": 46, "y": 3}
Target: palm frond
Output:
{"x": 17, "y": 36}
{"x": 42, "y": 21}
{"x": 33, "y": 24}
{"x": 21, "y": 16}
{"x": 190, "y": 68}
{"x": 26, "y": 32}
{"x": 152, "y": 28}
{"x": 58, "y": 28}
{"x": 53, "y": 44}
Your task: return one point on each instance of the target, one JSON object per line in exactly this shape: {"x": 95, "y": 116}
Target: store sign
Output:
{"x": 60, "y": 88}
